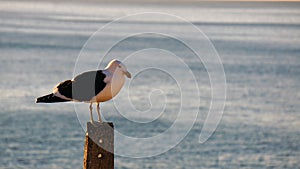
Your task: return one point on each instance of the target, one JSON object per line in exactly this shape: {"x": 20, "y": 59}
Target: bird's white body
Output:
{"x": 114, "y": 82}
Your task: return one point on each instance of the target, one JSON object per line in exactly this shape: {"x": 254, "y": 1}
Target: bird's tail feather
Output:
{"x": 50, "y": 98}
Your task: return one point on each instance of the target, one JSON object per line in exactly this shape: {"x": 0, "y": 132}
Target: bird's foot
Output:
{"x": 96, "y": 123}
{"x": 92, "y": 121}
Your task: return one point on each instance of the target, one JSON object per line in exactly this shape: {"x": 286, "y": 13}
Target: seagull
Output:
{"x": 90, "y": 87}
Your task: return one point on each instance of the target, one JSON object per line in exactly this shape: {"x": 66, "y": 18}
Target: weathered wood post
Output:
{"x": 99, "y": 146}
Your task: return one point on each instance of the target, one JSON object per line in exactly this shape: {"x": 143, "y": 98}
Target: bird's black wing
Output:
{"x": 87, "y": 85}
{"x": 65, "y": 88}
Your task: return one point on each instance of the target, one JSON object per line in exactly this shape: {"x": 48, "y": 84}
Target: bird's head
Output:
{"x": 116, "y": 65}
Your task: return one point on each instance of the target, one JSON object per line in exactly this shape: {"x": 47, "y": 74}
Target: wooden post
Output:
{"x": 99, "y": 146}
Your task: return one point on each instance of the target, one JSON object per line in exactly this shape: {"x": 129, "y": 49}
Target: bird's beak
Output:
{"x": 127, "y": 74}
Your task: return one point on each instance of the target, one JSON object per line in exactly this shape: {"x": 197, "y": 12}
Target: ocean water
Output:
{"x": 43, "y": 43}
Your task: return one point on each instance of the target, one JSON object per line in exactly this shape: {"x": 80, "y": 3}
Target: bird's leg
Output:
{"x": 98, "y": 111}
{"x": 91, "y": 112}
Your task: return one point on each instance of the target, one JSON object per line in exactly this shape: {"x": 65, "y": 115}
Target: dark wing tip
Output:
{"x": 50, "y": 98}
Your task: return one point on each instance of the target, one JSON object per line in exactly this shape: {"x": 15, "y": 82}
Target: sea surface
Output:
{"x": 258, "y": 44}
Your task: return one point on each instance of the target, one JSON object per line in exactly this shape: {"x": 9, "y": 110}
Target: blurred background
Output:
{"x": 258, "y": 43}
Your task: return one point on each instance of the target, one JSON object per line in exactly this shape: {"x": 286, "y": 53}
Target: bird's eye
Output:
{"x": 119, "y": 66}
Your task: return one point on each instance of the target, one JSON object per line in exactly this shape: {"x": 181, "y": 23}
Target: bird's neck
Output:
{"x": 110, "y": 73}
